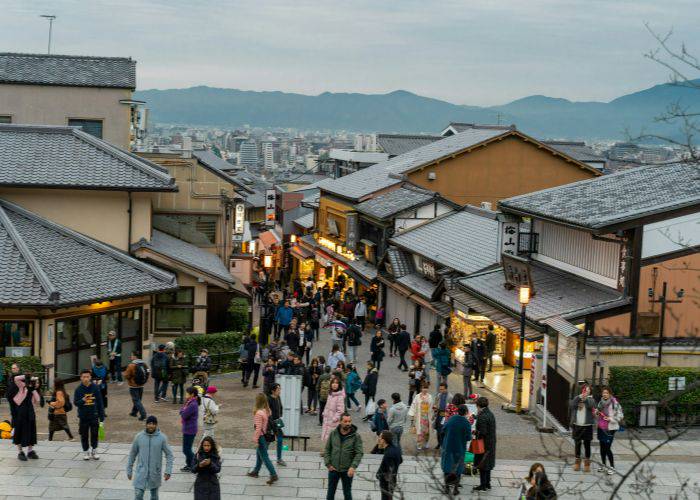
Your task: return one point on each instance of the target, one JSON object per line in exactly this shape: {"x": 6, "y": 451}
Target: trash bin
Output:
{"x": 647, "y": 413}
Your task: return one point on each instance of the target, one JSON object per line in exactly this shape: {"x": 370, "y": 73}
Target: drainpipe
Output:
{"x": 128, "y": 242}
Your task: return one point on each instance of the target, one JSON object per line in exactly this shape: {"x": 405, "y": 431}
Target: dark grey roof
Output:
{"x": 45, "y": 264}
{"x": 387, "y": 173}
{"x": 363, "y": 268}
{"x": 576, "y": 150}
{"x": 395, "y": 201}
{"x": 401, "y": 263}
{"x": 398, "y": 144}
{"x": 74, "y": 71}
{"x": 557, "y": 293}
{"x": 597, "y": 204}
{"x": 209, "y": 159}
{"x": 418, "y": 284}
{"x": 306, "y": 221}
{"x": 63, "y": 157}
{"x": 462, "y": 127}
{"x": 188, "y": 254}
{"x": 464, "y": 241}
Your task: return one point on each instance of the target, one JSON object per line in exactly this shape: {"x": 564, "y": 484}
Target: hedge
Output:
{"x": 26, "y": 363}
{"x": 632, "y": 385}
{"x": 223, "y": 347}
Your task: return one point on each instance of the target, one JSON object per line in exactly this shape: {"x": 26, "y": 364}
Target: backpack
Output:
{"x": 209, "y": 418}
{"x": 372, "y": 424}
{"x": 324, "y": 389}
{"x": 142, "y": 374}
{"x": 159, "y": 365}
{"x": 67, "y": 405}
{"x": 242, "y": 353}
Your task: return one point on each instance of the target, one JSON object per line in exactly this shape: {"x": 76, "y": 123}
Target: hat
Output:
{"x": 161, "y": 347}
{"x": 211, "y": 389}
{"x": 152, "y": 420}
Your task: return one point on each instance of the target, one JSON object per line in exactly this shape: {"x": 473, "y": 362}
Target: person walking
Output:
{"x": 306, "y": 341}
{"x": 420, "y": 410}
{"x": 99, "y": 378}
{"x": 335, "y": 407}
{"x": 466, "y": 367}
{"x": 442, "y": 399}
{"x": 210, "y": 411}
{"x": 388, "y": 471}
{"x": 189, "y": 415}
{"x": 283, "y": 318}
{"x": 416, "y": 377}
{"x": 403, "y": 343}
{"x": 88, "y": 399}
{"x": 342, "y": 455}
{"x": 393, "y": 335}
{"x": 379, "y": 317}
{"x": 379, "y": 422}
{"x": 396, "y": 418}
{"x": 207, "y": 465}
{"x": 369, "y": 384}
{"x": 486, "y": 431}
{"x": 609, "y": 413}
{"x": 479, "y": 353}
{"x": 361, "y": 313}
{"x": 490, "y": 348}
{"x": 149, "y": 446}
{"x": 262, "y": 437}
{"x": 334, "y": 356}
{"x": 114, "y": 353}
{"x": 353, "y": 336}
{"x": 581, "y": 422}
{"x": 313, "y": 372}
{"x": 275, "y": 404}
{"x": 323, "y": 387}
{"x": 252, "y": 361}
{"x": 441, "y": 359}
{"x": 457, "y": 432}
{"x": 178, "y": 375}
{"x": 59, "y": 405}
{"x": 25, "y": 394}
{"x": 136, "y": 375}
{"x": 417, "y": 352}
{"x": 159, "y": 371}
{"x": 376, "y": 348}
{"x": 352, "y": 384}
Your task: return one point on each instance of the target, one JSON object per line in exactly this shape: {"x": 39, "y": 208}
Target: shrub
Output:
{"x": 223, "y": 347}
{"x": 238, "y": 314}
{"x": 26, "y": 363}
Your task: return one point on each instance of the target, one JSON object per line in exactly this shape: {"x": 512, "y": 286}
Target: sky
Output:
{"x": 476, "y": 52}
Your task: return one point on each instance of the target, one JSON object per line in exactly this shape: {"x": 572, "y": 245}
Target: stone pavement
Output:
{"x": 60, "y": 473}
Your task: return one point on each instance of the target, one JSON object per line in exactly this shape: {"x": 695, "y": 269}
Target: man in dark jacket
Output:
{"x": 490, "y": 346}
{"x": 403, "y": 342}
{"x": 486, "y": 430}
{"x": 478, "y": 352}
{"x": 251, "y": 367}
{"x": 273, "y": 399}
{"x": 88, "y": 399}
{"x": 353, "y": 337}
{"x": 342, "y": 455}
{"x": 435, "y": 337}
{"x": 388, "y": 471}
{"x": 159, "y": 369}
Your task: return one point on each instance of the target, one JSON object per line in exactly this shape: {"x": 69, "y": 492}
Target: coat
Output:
{"x": 283, "y": 316}
{"x": 352, "y": 382}
{"x": 206, "y": 486}
{"x": 486, "y": 430}
{"x": 343, "y": 454}
{"x": 403, "y": 341}
{"x": 369, "y": 385}
{"x": 377, "y": 348}
{"x": 457, "y": 432}
{"x": 149, "y": 448}
{"x": 441, "y": 357}
{"x": 189, "y": 414}
{"x": 416, "y": 351}
{"x": 335, "y": 407}
{"x": 414, "y": 411}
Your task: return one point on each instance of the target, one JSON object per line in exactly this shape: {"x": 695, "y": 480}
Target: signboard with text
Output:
{"x": 517, "y": 272}
{"x": 270, "y": 201}
{"x": 239, "y": 218}
{"x": 352, "y": 222}
{"x": 509, "y": 238}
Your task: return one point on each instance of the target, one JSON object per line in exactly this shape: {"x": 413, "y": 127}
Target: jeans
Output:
{"x": 314, "y": 332}
{"x": 178, "y": 388}
{"x": 160, "y": 388}
{"x": 386, "y": 487}
{"x": 392, "y": 345}
{"x": 88, "y": 430}
{"x": 138, "y": 494}
{"x": 136, "y": 394}
{"x": 467, "y": 383}
{"x": 115, "y": 369}
{"x": 352, "y": 353}
{"x": 397, "y": 432}
{"x": 402, "y": 357}
{"x": 351, "y": 398}
{"x": 279, "y": 441}
{"x": 251, "y": 368}
{"x": 261, "y": 457}
{"x": 361, "y": 320}
{"x": 333, "y": 478}
{"x": 605, "y": 439}
{"x": 187, "y": 441}
{"x": 312, "y": 398}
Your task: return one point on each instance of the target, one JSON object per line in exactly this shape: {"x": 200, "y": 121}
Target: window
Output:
{"x": 175, "y": 310}
{"x": 92, "y": 127}
{"x": 5, "y": 119}
{"x": 16, "y": 338}
{"x": 199, "y": 230}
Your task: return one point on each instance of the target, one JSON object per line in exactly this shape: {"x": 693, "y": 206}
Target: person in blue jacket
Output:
{"x": 352, "y": 385}
{"x": 457, "y": 431}
{"x": 283, "y": 318}
{"x": 88, "y": 400}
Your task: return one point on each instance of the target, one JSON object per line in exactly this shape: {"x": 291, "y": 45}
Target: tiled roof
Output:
{"x": 54, "y": 156}
{"x": 398, "y": 144}
{"x": 188, "y": 254}
{"x": 305, "y": 221}
{"x": 576, "y": 150}
{"x": 401, "y": 264}
{"x": 74, "y": 71}
{"x": 462, "y": 127}
{"x": 45, "y": 264}
{"x": 363, "y": 268}
{"x": 596, "y": 204}
{"x": 395, "y": 201}
{"x": 418, "y": 284}
{"x": 464, "y": 241}
{"x": 557, "y": 293}
{"x": 388, "y": 173}
{"x": 209, "y": 159}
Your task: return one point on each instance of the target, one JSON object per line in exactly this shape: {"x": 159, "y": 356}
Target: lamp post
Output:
{"x": 524, "y": 299}
{"x": 663, "y": 301}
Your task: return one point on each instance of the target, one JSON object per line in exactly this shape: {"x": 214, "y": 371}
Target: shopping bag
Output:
{"x": 477, "y": 446}
{"x": 371, "y": 408}
{"x": 101, "y": 432}
{"x": 468, "y": 457}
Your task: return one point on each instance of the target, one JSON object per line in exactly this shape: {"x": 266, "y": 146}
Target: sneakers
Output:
{"x": 94, "y": 454}
{"x": 273, "y": 479}
{"x": 32, "y": 454}
{"x": 21, "y": 456}
{"x": 87, "y": 456}
{"x": 601, "y": 469}
{"x": 164, "y": 399}
{"x": 282, "y": 463}
{"x": 358, "y": 408}
{"x": 611, "y": 471}
{"x": 252, "y": 474}
{"x": 186, "y": 468}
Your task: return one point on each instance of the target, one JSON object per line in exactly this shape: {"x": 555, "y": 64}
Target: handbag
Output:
{"x": 477, "y": 447}
{"x": 279, "y": 423}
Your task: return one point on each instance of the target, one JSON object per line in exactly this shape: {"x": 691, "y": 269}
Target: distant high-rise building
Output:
{"x": 248, "y": 154}
{"x": 268, "y": 154}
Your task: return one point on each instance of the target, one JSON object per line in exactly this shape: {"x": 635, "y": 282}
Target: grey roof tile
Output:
{"x": 398, "y": 144}
{"x": 595, "y": 204}
{"x": 401, "y": 263}
{"x": 418, "y": 284}
{"x": 45, "y": 264}
{"x": 188, "y": 254}
{"x": 464, "y": 241}
{"x": 395, "y": 201}
{"x": 52, "y": 156}
{"x": 576, "y": 150}
{"x": 209, "y": 159}
{"x": 61, "y": 70}
{"x": 305, "y": 221}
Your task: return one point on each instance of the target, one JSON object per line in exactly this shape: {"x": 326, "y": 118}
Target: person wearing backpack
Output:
{"x": 99, "y": 378}
{"x": 58, "y": 407}
{"x": 178, "y": 375}
{"x": 323, "y": 389}
{"x": 159, "y": 366}
{"x": 210, "y": 412}
{"x": 353, "y": 336}
{"x": 136, "y": 375}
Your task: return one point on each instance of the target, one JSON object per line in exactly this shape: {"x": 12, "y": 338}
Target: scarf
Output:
{"x": 22, "y": 391}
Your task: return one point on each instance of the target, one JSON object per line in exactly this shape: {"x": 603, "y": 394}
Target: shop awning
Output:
{"x": 443, "y": 310}
{"x": 269, "y": 238}
{"x": 323, "y": 261}
{"x": 562, "y": 326}
{"x": 300, "y": 253}
{"x": 465, "y": 301}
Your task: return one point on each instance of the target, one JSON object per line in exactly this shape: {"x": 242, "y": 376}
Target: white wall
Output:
{"x": 671, "y": 235}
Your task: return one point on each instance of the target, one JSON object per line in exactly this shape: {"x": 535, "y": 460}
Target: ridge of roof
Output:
{"x": 410, "y": 136}
{"x": 66, "y": 56}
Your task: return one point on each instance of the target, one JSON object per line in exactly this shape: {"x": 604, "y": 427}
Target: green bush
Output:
{"x": 223, "y": 348}
{"x": 238, "y": 314}
{"x": 26, "y": 363}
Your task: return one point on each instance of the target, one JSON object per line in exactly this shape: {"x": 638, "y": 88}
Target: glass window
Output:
{"x": 16, "y": 337}
{"x": 196, "y": 229}
{"x": 86, "y": 331}
{"x": 174, "y": 310}
{"x": 92, "y": 127}
{"x": 5, "y": 119}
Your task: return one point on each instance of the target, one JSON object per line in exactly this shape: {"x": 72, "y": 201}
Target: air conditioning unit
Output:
{"x": 486, "y": 205}
{"x": 432, "y": 176}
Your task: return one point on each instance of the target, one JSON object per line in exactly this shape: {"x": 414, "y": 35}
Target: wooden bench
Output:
{"x": 296, "y": 439}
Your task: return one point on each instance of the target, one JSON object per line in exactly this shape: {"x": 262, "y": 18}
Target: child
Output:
{"x": 209, "y": 412}
{"x": 269, "y": 374}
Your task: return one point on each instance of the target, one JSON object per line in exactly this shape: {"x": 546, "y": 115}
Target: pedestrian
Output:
{"x": 149, "y": 446}
{"x": 403, "y": 343}
{"x": 451, "y": 408}
{"x": 387, "y": 473}
{"x": 315, "y": 320}
{"x": 581, "y": 422}
{"x": 292, "y": 337}
{"x": 178, "y": 375}
{"x": 361, "y": 313}
{"x": 210, "y": 411}
{"x": 342, "y": 455}
{"x": 334, "y": 356}
{"x": 59, "y": 405}
{"x": 252, "y": 362}
{"x": 276, "y": 423}
{"x": 207, "y": 465}
{"x": 528, "y": 480}
{"x": 490, "y": 347}
{"x": 136, "y": 375}
{"x": 466, "y": 367}
{"x": 379, "y": 422}
{"x": 114, "y": 353}
{"x": 306, "y": 341}
{"x": 369, "y": 384}
{"x": 25, "y": 394}
{"x": 353, "y": 336}
{"x": 379, "y": 317}
{"x": 99, "y": 378}
{"x": 377, "y": 349}
{"x": 435, "y": 337}
{"x": 393, "y": 336}
{"x": 457, "y": 433}
{"x": 486, "y": 431}
{"x": 540, "y": 488}
{"x": 91, "y": 414}
{"x": 416, "y": 377}
{"x": 609, "y": 413}
{"x": 334, "y": 408}
{"x": 313, "y": 372}
{"x": 189, "y": 415}
{"x": 396, "y": 418}
{"x": 269, "y": 373}
{"x": 11, "y": 391}
{"x": 352, "y": 384}
{"x": 442, "y": 399}
{"x": 159, "y": 370}
{"x": 420, "y": 410}
{"x": 283, "y": 318}
{"x": 479, "y": 353}
{"x": 262, "y": 437}
{"x": 441, "y": 359}
{"x": 323, "y": 387}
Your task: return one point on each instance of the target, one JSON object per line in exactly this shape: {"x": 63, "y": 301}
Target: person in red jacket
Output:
{"x": 417, "y": 353}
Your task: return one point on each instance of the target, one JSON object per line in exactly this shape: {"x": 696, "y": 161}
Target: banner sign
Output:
{"x": 270, "y": 199}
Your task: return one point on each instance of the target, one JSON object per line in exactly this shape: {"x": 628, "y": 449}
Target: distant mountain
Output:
{"x": 404, "y": 112}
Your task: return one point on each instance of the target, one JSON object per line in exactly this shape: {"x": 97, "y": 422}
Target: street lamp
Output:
{"x": 293, "y": 238}
{"x": 663, "y": 301}
{"x": 524, "y": 299}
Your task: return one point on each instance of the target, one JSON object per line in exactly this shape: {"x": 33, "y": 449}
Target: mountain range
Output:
{"x": 405, "y": 112}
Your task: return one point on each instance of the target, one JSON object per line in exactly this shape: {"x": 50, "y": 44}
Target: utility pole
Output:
{"x": 663, "y": 301}
{"x": 51, "y": 19}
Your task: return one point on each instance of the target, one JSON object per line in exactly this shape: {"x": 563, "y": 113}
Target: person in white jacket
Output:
{"x": 208, "y": 412}
{"x": 420, "y": 412}
{"x": 361, "y": 313}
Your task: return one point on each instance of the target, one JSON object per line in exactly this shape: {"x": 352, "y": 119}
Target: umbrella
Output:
{"x": 338, "y": 324}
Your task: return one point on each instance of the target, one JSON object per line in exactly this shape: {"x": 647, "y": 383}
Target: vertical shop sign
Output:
{"x": 351, "y": 232}
{"x": 239, "y": 218}
{"x": 270, "y": 201}
{"x": 509, "y": 238}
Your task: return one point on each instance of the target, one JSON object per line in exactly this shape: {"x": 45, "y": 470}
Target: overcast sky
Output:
{"x": 478, "y": 52}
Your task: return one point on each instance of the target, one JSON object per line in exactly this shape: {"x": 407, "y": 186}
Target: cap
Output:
{"x": 212, "y": 389}
{"x": 161, "y": 347}
{"x": 152, "y": 420}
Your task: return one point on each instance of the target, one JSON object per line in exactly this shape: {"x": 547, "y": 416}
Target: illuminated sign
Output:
{"x": 270, "y": 198}
{"x": 239, "y": 218}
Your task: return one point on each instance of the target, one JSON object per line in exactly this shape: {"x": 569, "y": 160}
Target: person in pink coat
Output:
{"x": 335, "y": 407}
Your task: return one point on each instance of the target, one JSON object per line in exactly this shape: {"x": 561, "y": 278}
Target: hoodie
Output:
{"x": 149, "y": 449}
{"x": 397, "y": 415}
{"x": 88, "y": 399}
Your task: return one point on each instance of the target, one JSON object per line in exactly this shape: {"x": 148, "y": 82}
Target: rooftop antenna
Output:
{"x": 51, "y": 19}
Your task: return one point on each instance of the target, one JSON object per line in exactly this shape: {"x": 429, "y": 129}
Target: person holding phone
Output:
{"x": 609, "y": 413}
{"x": 581, "y": 422}
{"x": 207, "y": 465}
